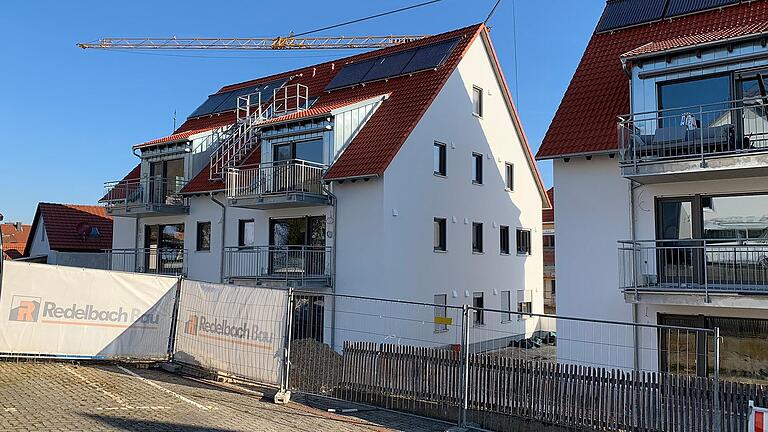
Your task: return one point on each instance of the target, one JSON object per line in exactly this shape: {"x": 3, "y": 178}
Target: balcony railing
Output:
{"x": 718, "y": 265}
{"x": 289, "y": 263}
{"x": 163, "y": 261}
{"x": 291, "y": 177}
{"x": 155, "y": 192}
{"x": 697, "y": 132}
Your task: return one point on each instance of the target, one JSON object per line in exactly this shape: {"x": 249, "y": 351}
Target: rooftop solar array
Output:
{"x": 227, "y": 101}
{"x": 682, "y": 7}
{"x": 392, "y": 65}
{"x": 625, "y": 13}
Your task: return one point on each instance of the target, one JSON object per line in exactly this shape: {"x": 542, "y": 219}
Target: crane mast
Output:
{"x": 251, "y": 44}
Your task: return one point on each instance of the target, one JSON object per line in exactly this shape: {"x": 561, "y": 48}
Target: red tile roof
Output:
{"x": 14, "y": 240}
{"x": 66, "y": 225}
{"x": 585, "y": 122}
{"x": 548, "y": 215}
{"x": 749, "y": 30}
{"x": 375, "y": 145}
{"x": 179, "y": 136}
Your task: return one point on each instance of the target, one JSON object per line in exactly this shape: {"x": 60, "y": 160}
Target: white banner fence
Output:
{"x": 236, "y": 329}
{"x": 71, "y": 312}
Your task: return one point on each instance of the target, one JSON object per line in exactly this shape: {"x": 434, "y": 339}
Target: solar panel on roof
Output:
{"x": 388, "y": 66}
{"x": 351, "y": 74}
{"x": 227, "y": 101}
{"x": 210, "y": 104}
{"x": 624, "y": 13}
{"x": 430, "y": 56}
{"x": 682, "y": 7}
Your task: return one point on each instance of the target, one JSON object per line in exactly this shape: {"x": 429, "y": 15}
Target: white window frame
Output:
{"x": 441, "y": 311}
{"x": 506, "y": 317}
{"x": 509, "y": 176}
{"x": 477, "y": 90}
{"x": 478, "y": 319}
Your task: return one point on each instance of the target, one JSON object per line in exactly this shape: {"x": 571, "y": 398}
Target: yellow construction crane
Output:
{"x": 252, "y": 44}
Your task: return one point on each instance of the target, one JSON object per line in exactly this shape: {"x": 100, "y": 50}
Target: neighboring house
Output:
{"x": 70, "y": 234}
{"x": 398, "y": 173}
{"x": 14, "y": 239}
{"x": 680, "y": 194}
{"x": 548, "y": 231}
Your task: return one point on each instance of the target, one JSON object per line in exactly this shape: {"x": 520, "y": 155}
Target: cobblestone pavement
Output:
{"x": 67, "y": 397}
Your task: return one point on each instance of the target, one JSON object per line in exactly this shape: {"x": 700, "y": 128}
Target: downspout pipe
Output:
{"x": 223, "y": 232}
{"x": 334, "y": 201}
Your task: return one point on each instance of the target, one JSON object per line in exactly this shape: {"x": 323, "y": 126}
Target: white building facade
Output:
{"x": 673, "y": 213}
{"x": 451, "y": 214}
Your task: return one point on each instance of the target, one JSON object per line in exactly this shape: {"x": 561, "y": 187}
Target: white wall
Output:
{"x": 592, "y": 215}
{"x": 386, "y": 228}
{"x": 40, "y": 245}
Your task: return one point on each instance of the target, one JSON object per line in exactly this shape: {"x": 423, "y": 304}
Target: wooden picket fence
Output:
{"x": 408, "y": 377}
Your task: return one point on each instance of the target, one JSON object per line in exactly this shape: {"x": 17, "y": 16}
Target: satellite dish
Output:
{"x": 86, "y": 230}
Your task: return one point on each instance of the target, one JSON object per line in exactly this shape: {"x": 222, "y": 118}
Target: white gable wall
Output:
{"x": 398, "y": 241}
{"x": 40, "y": 245}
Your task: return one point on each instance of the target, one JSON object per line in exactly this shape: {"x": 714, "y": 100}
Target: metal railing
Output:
{"x": 276, "y": 178}
{"x": 718, "y": 265}
{"x": 145, "y": 191}
{"x": 278, "y": 262}
{"x": 162, "y": 261}
{"x": 695, "y": 132}
{"x": 289, "y": 98}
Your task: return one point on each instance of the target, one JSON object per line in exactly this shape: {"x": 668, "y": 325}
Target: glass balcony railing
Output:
{"x": 721, "y": 265}
{"x": 698, "y": 132}
{"x": 292, "y": 177}
{"x": 153, "y": 192}
{"x": 278, "y": 262}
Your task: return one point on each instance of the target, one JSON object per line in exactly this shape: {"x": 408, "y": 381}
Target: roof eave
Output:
{"x": 677, "y": 50}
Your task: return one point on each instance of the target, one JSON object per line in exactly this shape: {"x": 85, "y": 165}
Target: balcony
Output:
{"x": 297, "y": 266}
{"x": 149, "y": 196}
{"x": 291, "y": 183}
{"x": 164, "y": 261}
{"x": 718, "y": 266}
{"x": 715, "y": 141}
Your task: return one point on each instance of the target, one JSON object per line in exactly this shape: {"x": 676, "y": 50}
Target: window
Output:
{"x": 246, "y": 232}
{"x": 477, "y": 101}
{"x": 525, "y": 308}
{"x": 439, "y": 241}
{"x": 506, "y": 305}
{"x": 441, "y": 313}
{"x": 203, "y": 236}
{"x": 523, "y": 242}
{"x": 680, "y": 96}
{"x": 479, "y": 303}
{"x": 439, "y": 158}
{"x": 509, "y": 176}
{"x": 552, "y": 286}
{"x": 477, "y": 168}
{"x": 504, "y": 240}
{"x": 477, "y": 237}
{"x": 549, "y": 241}
{"x": 308, "y": 150}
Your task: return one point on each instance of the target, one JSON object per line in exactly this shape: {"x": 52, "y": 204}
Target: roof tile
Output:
{"x": 64, "y": 221}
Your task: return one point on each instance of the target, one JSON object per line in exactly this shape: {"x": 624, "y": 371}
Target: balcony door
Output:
{"x": 679, "y": 262}
{"x": 297, "y": 246}
{"x": 752, "y": 93}
{"x": 163, "y": 248}
{"x": 296, "y": 177}
{"x": 166, "y": 179}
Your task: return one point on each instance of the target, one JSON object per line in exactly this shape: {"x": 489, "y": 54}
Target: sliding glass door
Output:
{"x": 297, "y": 246}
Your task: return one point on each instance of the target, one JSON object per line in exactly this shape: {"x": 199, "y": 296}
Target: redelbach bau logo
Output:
{"x": 25, "y": 308}
{"x": 191, "y": 325}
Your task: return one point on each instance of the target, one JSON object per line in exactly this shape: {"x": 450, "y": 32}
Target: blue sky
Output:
{"x": 69, "y": 116}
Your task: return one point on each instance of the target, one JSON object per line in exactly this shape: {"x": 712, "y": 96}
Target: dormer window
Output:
{"x": 311, "y": 150}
